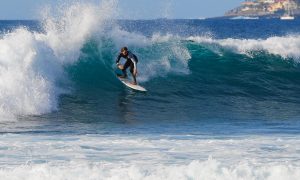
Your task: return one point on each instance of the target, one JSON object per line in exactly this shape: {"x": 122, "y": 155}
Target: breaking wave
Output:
{"x": 80, "y": 44}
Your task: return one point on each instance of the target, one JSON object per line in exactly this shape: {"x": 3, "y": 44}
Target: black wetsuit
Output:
{"x": 131, "y": 61}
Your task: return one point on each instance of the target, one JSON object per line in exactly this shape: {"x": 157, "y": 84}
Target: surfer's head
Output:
{"x": 124, "y": 51}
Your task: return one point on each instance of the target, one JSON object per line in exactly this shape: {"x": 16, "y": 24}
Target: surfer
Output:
{"x": 131, "y": 61}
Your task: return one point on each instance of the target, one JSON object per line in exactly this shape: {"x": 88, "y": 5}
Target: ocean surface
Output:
{"x": 223, "y": 98}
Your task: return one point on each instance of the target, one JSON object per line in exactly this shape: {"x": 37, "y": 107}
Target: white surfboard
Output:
{"x": 128, "y": 84}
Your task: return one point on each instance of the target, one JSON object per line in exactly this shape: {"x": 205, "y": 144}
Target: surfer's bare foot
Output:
{"x": 134, "y": 83}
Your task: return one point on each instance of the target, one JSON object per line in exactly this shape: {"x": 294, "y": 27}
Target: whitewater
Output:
{"x": 222, "y": 102}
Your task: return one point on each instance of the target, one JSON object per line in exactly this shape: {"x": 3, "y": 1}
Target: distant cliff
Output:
{"x": 268, "y": 8}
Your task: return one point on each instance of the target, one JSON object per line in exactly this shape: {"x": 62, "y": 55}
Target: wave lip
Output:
{"x": 286, "y": 46}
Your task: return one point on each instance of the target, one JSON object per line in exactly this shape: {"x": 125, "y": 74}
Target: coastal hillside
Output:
{"x": 267, "y": 8}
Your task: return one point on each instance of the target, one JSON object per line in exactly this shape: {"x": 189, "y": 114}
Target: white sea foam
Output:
{"x": 205, "y": 170}
{"x": 148, "y": 157}
{"x": 31, "y": 63}
{"x": 286, "y": 46}
{"x": 27, "y": 74}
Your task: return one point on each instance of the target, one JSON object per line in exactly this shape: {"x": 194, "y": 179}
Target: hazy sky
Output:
{"x": 128, "y": 9}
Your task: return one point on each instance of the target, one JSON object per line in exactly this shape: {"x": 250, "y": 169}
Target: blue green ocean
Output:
{"x": 222, "y": 102}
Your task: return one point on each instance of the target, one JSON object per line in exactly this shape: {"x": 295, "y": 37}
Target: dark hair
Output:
{"x": 124, "y": 49}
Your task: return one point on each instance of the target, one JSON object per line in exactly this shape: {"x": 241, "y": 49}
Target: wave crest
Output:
{"x": 286, "y": 47}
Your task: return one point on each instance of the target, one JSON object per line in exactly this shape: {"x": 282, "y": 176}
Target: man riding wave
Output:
{"x": 131, "y": 61}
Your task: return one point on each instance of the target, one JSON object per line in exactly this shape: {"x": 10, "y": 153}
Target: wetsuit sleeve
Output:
{"x": 118, "y": 58}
